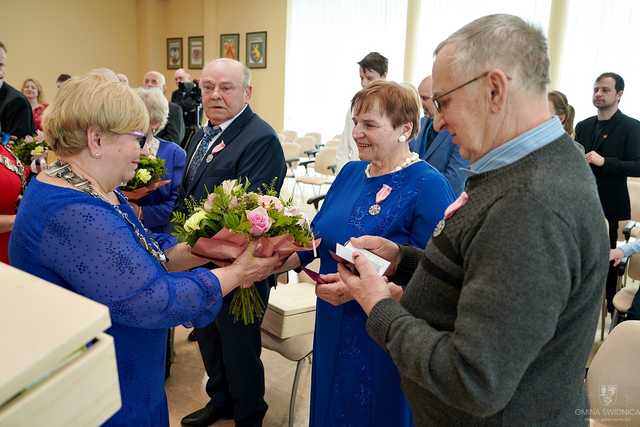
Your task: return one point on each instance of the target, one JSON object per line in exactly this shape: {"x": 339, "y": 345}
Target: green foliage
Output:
{"x": 155, "y": 167}
{"x": 22, "y": 149}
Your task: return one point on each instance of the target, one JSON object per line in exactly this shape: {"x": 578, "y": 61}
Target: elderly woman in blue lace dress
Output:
{"x": 390, "y": 193}
{"x": 75, "y": 229}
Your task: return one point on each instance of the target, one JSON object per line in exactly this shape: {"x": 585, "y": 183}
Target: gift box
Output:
{"x": 291, "y": 310}
{"x": 57, "y": 367}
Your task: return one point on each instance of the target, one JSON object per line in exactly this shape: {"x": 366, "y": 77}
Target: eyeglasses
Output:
{"x": 436, "y": 100}
{"x": 140, "y": 136}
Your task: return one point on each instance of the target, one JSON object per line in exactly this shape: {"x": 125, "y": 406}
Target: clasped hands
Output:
{"x": 594, "y": 158}
{"x": 365, "y": 286}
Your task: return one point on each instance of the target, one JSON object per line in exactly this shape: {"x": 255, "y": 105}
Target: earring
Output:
{"x": 402, "y": 139}
{"x": 97, "y": 155}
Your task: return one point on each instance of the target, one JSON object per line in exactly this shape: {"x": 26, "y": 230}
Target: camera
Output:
{"x": 189, "y": 97}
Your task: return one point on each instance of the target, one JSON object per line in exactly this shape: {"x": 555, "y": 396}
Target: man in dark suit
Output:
{"x": 437, "y": 148}
{"x": 174, "y": 130}
{"x": 235, "y": 144}
{"x": 16, "y": 117}
{"x": 612, "y": 143}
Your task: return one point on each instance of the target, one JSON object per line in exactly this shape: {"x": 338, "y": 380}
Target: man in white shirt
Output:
{"x": 372, "y": 67}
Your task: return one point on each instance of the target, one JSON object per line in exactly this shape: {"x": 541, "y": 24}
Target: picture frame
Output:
{"x": 196, "y": 52}
{"x": 256, "y": 49}
{"x": 174, "y": 53}
{"x": 230, "y": 46}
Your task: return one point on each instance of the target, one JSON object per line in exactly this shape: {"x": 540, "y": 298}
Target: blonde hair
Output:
{"x": 91, "y": 102}
{"x": 157, "y": 105}
{"x": 37, "y": 85}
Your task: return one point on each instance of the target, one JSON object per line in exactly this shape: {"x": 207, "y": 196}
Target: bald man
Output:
{"x": 235, "y": 144}
{"x": 437, "y": 148}
{"x": 174, "y": 130}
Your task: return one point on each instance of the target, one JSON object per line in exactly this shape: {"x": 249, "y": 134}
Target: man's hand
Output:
{"x": 616, "y": 256}
{"x": 368, "y": 288}
{"x": 594, "y": 158}
{"x": 382, "y": 247}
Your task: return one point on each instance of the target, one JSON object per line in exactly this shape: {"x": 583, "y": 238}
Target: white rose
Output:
{"x": 143, "y": 175}
{"x": 228, "y": 185}
{"x": 193, "y": 223}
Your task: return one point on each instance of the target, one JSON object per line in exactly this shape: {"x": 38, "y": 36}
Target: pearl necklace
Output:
{"x": 413, "y": 157}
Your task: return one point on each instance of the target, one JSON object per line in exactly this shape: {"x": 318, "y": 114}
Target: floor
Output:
{"x": 186, "y": 393}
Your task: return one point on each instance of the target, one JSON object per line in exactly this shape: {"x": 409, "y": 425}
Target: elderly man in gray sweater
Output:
{"x": 499, "y": 312}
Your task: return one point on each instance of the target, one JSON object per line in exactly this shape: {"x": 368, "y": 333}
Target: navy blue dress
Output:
{"x": 158, "y": 205}
{"x": 80, "y": 243}
{"x": 354, "y": 382}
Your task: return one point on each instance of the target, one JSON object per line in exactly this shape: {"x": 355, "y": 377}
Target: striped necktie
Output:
{"x": 201, "y": 151}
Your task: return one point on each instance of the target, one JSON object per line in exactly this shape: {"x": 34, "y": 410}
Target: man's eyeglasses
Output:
{"x": 436, "y": 100}
{"x": 140, "y": 136}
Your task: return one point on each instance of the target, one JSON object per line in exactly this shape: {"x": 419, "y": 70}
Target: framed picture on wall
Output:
{"x": 174, "y": 53}
{"x": 256, "y": 49}
{"x": 196, "y": 52}
{"x": 230, "y": 46}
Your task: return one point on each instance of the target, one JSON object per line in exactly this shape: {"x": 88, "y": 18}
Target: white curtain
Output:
{"x": 325, "y": 40}
{"x": 440, "y": 18}
{"x": 600, "y": 36}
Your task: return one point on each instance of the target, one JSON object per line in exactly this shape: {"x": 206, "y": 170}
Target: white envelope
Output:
{"x": 346, "y": 253}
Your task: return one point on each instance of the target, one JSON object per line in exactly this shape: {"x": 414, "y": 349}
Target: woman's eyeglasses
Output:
{"x": 141, "y": 137}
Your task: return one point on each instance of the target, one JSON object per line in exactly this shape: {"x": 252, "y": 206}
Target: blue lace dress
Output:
{"x": 354, "y": 382}
{"x": 81, "y": 243}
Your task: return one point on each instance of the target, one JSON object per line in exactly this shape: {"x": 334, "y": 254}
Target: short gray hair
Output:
{"x": 506, "y": 42}
{"x": 157, "y": 105}
{"x": 246, "y": 73}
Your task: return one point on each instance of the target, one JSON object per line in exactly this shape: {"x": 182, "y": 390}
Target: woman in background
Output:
{"x": 32, "y": 90}
{"x": 12, "y": 179}
{"x": 154, "y": 209}
{"x": 561, "y": 108}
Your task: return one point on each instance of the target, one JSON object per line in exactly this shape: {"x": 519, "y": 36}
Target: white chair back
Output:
{"x": 291, "y": 150}
{"x": 307, "y": 143}
{"x": 290, "y": 135}
{"x": 613, "y": 381}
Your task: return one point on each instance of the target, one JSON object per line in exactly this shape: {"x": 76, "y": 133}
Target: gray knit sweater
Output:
{"x": 498, "y": 317}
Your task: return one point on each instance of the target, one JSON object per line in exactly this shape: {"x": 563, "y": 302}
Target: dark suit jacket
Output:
{"x": 174, "y": 130}
{"x": 619, "y": 144}
{"x": 442, "y": 154}
{"x": 252, "y": 150}
{"x": 16, "y": 117}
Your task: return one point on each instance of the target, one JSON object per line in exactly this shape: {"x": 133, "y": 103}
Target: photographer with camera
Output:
{"x": 188, "y": 97}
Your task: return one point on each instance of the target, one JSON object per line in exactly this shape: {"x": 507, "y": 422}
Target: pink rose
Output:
{"x": 270, "y": 202}
{"x": 208, "y": 205}
{"x": 259, "y": 220}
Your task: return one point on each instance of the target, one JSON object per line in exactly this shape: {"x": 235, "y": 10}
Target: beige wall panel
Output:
{"x": 46, "y": 38}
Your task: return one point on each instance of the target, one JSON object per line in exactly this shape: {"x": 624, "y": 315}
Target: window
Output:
{"x": 325, "y": 40}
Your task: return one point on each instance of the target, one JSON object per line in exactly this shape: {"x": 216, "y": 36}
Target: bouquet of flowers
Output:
{"x": 220, "y": 228}
{"x": 30, "y": 148}
{"x": 146, "y": 179}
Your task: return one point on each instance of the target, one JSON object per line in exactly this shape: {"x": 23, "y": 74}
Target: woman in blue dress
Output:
{"x": 389, "y": 193}
{"x": 75, "y": 229}
{"x": 155, "y": 208}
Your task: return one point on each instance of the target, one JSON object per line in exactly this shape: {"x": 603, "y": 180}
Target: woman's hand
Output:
{"x": 181, "y": 258}
{"x": 382, "y": 247}
{"x": 616, "y": 256}
{"x": 333, "y": 290}
{"x": 255, "y": 268}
